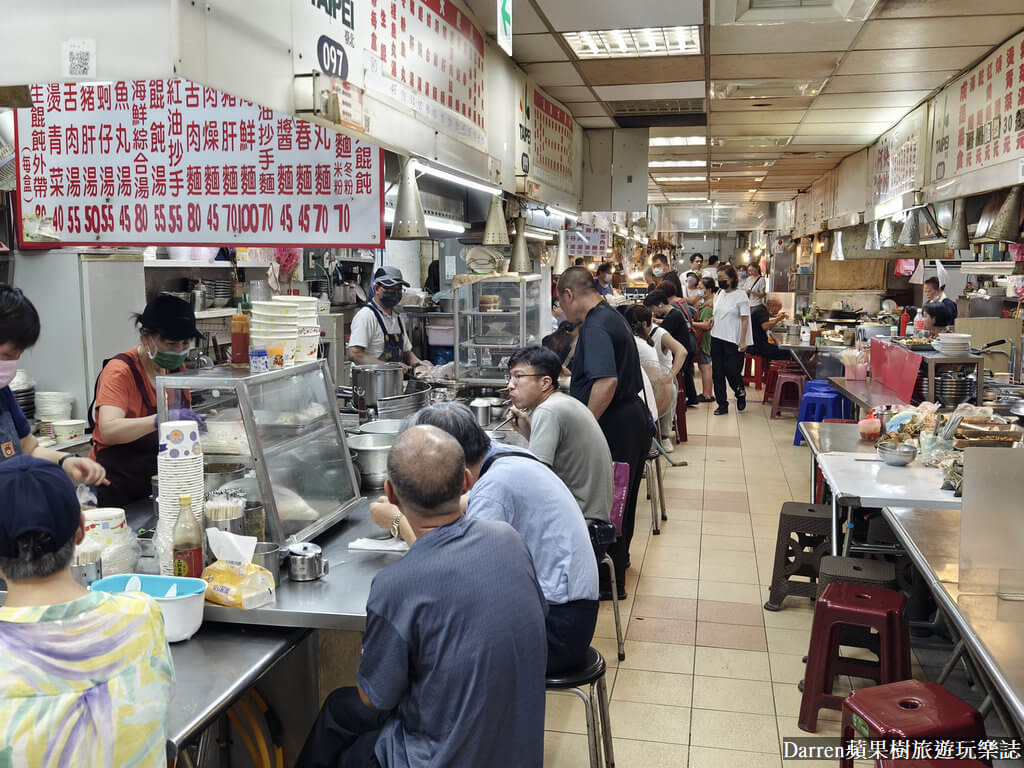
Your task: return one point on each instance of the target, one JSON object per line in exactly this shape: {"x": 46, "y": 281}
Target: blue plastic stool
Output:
{"x": 818, "y": 405}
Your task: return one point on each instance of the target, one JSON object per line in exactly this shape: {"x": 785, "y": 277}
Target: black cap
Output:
{"x": 170, "y": 318}
{"x": 36, "y": 497}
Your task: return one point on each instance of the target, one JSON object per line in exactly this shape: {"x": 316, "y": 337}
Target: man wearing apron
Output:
{"x": 19, "y": 330}
{"x": 377, "y": 333}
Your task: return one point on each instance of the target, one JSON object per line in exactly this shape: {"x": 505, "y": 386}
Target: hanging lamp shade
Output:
{"x": 958, "y": 238}
{"x": 1006, "y": 227}
{"x": 562, "y": 255}
{"x": 837, "y": 247}
{"x": 409, "y": 224}
{"x": 496, "y": 232}
{"x": 911, "y": 233}
{"x": 872, "y": 242}
{"x": 520, "y": 262}
{"x": 885, "y": 238}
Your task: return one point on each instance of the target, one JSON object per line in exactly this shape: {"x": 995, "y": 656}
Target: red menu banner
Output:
{"x": 428, "y": 56}
{"x": 552, "y": 146}
{"x": 588, "y": 242}
{"x": 167, "y": 162}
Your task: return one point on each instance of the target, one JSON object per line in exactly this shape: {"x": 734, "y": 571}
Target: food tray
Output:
{"x": 986, "y": 442}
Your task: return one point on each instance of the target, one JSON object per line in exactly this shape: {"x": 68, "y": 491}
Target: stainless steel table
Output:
{"x": 990, "y": 626}
{"x": 807, "y": 355}
{"x": 213, "y": 669}
{"x": 866, "y": 394}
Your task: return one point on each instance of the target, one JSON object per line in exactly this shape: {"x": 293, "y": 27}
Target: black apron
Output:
{"x": 130, "y": 466}
{"x": 10, "y": 443}
{"x": 393, "y": 342}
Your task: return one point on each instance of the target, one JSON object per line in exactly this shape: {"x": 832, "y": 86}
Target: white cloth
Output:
{"x": 711, "y": 272}
{"x": 365, "y": 331}
{"x": 757, "y": 284}
{"x": 730, "y": 307}
{"x": 665, "y": 357}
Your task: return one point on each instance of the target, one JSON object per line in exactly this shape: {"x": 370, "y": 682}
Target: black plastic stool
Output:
{"x": 803, "y": 539}
{"x": 592, "y": 675}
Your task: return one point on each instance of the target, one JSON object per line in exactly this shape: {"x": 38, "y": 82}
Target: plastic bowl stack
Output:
{"x": 953, "y": 343}
{"x": 180, "y": 471}
{"x": 275, "y": 324}
{"x": 308, "y": 339}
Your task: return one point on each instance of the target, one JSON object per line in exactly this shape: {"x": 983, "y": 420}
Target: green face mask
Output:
{"x": 170, "y": 361}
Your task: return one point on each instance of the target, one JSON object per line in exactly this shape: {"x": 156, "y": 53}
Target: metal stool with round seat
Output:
{"x": 655, "y": 489}
{"x": 599, "y": 727}
{"x": 602, "y": 535}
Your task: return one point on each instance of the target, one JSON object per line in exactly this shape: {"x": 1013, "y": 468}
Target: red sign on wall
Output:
{"x": 155, "y": 162}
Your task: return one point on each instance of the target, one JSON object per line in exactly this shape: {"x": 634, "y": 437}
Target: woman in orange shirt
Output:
{"x": 125, "y": 436}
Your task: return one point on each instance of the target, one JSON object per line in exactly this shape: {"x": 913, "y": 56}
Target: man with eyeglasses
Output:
{"x": 562, "y": 431}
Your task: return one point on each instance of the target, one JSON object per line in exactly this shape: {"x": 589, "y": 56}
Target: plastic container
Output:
{"x": 259, "y": 361}
{"x": 856, "y": 372}
{"x": 440, "y": 335}
{"x": 66, "y": 430}
{"x": 183, "y": 614}
{"x": 870, "y": 429}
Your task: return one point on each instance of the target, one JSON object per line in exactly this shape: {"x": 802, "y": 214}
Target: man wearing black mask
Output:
{"x": 378, "y": 335}
{"x": 677, "y": 323}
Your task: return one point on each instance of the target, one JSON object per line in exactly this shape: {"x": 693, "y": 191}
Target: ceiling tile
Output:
{"x": 871, "y": 130}
{"x": 587, "y": 109}
{"x": 770, "y": 65}
{"x": 753, "y": 116}
{"x": 570, "y": 93}
{"x": 664, "y": 69}
{"x": 611, "y": 14}
{"x": 911, "y": 60}
{"x": 529, "y": 48}
{"x": 855, "y": 142}
{"x": 689, "y": 90}
{"x": 880, "y": 115}
{"x": 863, "y": 100}
{"x": 554, "y": 74}
{"x": 597, "y": 122}
{"x": 760, "y": 129}
{"x": 916, "y": 8}
{"x": 937, "y": 32}
{"x": 752, "y": 38}
{"x": 897, "y": 81}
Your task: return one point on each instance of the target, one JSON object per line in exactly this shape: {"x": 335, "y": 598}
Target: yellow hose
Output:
{"x": 262, "y": 704}
{"x": 249, "y": 746}
{"x": 257, "y": 734}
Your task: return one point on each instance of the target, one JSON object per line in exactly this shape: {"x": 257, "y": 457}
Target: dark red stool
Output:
{"x": 770, "y": 376}
{"x": 853, "y": 605}
{"x": 796, "y": 381}
{"x": 754, "y": 371}
{"x": 909, "y": 710}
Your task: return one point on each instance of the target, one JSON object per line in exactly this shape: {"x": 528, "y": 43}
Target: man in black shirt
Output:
{"x": 606, "y": 378}
{"x": 677, "y": 323}
{"x": 762, "y": 322}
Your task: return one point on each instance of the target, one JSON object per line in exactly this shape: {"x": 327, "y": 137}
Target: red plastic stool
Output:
{"x": 754, "y": 371}
{"x": 857, "y": 605}
{"x": 780, "y": 406}
{"x": 770, "y": 376}
{"x": 908, "y": 710}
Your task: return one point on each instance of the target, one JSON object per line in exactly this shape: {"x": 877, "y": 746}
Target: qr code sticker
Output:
{"x": 78, "y": 57}
{"x": 79, "y": 63}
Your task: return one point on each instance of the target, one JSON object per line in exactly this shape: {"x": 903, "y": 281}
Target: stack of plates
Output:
{"x": 24, "y": 390}
{"x": 53, "y": 406}
{"x": 180, "y": 471}
{"x": 953, "y": 343}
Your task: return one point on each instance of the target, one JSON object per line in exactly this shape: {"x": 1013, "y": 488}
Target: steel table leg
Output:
{"x": 835, "y": 525}
{"x": 814, "y": 470}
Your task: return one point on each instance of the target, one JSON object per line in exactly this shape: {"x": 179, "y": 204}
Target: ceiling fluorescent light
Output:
{"x": 678, "y": 179}
{"x": 687, "y": 198}
{"x": 479, "y": 186}
{"x": 564, "y": 213}
{"x": 677, "y": 164}
{"x": 677, "y": 141}
{"x": 433, "y": 222}
{"x": 633, "y": 43}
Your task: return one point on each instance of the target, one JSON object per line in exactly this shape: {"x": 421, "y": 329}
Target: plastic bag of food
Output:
{"x": 233, "y": 580}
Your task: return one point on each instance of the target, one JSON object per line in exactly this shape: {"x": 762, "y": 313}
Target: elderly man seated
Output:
{"x": 514, "y": 486}
{"x": 85, "y": 677}
{"x": 763, "y": 319}
{"x": 452, "y": 671}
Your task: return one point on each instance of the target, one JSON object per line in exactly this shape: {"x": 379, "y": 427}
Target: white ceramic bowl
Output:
{"x": 183, "y": 615}
{"x": 302, "y": 301}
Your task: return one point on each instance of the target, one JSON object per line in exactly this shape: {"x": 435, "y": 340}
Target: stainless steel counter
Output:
{"x": 338, "y": 600}
{"x": 866, "y": 394}
{"x": 213, "y": 669}
{"x": 990, "y": 626}
{"x": 818, "y": 361}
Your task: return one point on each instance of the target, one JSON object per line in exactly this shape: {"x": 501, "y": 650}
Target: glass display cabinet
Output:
{"x": 494, "y": 317}
{"x": 277, "y": 438}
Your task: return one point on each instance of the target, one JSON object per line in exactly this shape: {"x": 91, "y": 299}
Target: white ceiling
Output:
{"x": 876, "y": 65}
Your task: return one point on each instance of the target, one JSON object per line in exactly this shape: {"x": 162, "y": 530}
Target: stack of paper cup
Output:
{"x": 180, "y": 471}
{"x": 308, "y": 341}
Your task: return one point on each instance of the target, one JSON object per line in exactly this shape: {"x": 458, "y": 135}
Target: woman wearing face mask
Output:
{"x": 603, "y": 279}
{"x": 125, "y": 435}
{"x": 731, "y": 334}
{"x": 19, "y": 330}
{"x": 702, "y": 327}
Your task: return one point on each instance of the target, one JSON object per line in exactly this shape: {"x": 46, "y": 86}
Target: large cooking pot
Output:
{"x": 372, "y": 382}
{"x": 417, "y": 396}
{"x": 372, "y": 457}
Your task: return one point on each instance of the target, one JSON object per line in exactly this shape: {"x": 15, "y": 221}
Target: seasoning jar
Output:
{"x": 239, "y": 339}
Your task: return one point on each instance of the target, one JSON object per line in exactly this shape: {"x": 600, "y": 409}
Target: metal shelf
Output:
{"x": 176, "y": 264}
{"x": 495, "y": 313}
{"x": 474, "y": 345}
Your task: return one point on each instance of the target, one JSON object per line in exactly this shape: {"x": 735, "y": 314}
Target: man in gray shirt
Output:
{"x": 562, "y": 431}
{"x": 452, "y": 669}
